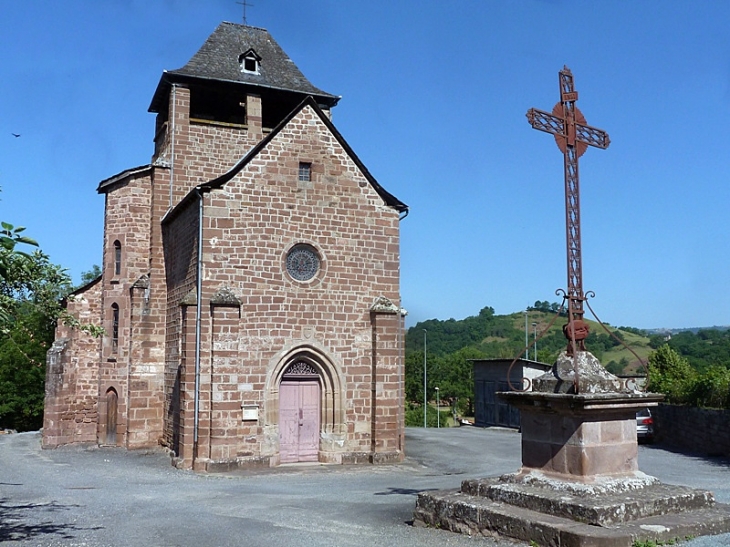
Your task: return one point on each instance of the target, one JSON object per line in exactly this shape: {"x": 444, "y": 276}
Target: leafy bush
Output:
{"x": 414, "y": 416}
{"x": 672, "y": 375}
{"x": 712, "y": 387}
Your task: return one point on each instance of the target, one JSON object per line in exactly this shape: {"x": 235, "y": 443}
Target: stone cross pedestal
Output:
{"x": 579, "y": 484}
{"x": 589, "y": 437}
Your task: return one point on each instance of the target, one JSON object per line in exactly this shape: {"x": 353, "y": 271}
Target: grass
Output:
{"x": 658, "y": 543}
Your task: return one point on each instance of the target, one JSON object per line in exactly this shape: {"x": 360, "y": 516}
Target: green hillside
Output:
{"x": 489, "y": 335}
{"x": 697, "y": 362}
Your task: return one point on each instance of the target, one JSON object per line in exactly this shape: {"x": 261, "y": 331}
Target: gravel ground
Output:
{"x": 92, "y": 497}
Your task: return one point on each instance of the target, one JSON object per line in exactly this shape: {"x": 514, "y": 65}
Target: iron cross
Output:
{"x": 568, "y": 125}
{"x": 245, "y": 5}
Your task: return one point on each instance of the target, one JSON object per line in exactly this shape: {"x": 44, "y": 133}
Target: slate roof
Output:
{"x": 218, "y": 59}
{"x": 107, "y": 183}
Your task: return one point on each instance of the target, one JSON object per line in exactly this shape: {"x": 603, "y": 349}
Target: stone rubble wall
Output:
{"x": 700, "y": 430}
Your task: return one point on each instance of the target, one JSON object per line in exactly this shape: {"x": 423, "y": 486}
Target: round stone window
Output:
{"x": 302, "y": 262}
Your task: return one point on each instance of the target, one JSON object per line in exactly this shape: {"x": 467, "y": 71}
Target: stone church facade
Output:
{"x": 250, "y": 291}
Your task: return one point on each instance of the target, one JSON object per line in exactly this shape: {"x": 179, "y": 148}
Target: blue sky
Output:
{"x": 434, "y": 101}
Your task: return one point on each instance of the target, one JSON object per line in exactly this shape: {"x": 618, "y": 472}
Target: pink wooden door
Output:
{"x": 299, "y": 421}
{"x": 289, "y": 422}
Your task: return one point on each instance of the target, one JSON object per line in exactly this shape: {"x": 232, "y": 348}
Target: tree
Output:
{"x": 454, "y": 376}
{"x": 89, "y": 276}
{"x": 10, "y": 236}
{"x": 32, "y": 290}
{"x": 712, "y": 388}
{"x": 670, "y": 374}
{"x": 414, "y": 377}
{"x": 22, "y": 370}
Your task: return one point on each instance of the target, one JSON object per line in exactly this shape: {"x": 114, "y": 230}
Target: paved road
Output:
{"x": 110, "y": 497}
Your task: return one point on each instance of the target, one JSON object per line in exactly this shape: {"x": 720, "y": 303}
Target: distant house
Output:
{"x": 490, "y": 376}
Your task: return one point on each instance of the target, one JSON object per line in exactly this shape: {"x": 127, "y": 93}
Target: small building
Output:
{"x": 491, "y": 376}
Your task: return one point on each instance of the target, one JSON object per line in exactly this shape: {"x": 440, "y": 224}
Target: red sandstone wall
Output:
{"x": 131, "y": 368}
{"x": 72, "y": 368}
{"x": 127, "y": 220}
{"x": 201, "y": 150}
{"x": 180, "y": 246}
{"x": 250, "y": 225}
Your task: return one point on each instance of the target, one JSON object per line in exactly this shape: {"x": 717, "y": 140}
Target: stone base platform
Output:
{"x": 551, "y": 513}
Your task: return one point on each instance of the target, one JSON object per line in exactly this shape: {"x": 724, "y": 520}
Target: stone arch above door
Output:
{"x": 310, "y": 359}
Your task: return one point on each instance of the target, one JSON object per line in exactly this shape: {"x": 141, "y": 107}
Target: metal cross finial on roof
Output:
{"x": 245, "y": 5}
{"x": 567, "y": 124}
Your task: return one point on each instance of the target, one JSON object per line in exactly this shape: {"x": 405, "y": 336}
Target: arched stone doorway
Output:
{"x": 310, "y": 368}
{"x": 300, "y": 397}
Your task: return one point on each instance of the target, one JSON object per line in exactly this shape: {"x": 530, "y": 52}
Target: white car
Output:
{"x": 644, "y": 425}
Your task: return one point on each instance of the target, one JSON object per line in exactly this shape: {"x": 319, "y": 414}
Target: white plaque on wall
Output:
{"x": 250, "y": 412}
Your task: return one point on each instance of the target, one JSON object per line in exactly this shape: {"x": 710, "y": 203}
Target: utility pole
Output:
{"x": 425, "y": 402}
{"x": 527, "y": 340}
{"x": 438, "y": 409}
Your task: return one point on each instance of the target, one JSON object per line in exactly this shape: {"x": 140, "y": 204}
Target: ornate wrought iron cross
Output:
{"x": 568, "y": 125}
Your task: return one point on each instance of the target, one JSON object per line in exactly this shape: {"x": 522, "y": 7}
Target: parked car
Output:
{"x": 644, "y": 425}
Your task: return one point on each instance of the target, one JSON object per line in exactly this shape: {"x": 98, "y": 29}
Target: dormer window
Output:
{"x": 250, "y": 62}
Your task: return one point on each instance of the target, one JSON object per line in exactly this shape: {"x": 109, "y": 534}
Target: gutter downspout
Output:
{"x": 172, "y": 142}
{"x": 401, "y": 356}
{"x": 198, "y": 320}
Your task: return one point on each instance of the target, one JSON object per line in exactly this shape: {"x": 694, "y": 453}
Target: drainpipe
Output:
{"x": 198, "y": 317}
{"x": 172, "y": 141}
{"x": 401, "y": 357}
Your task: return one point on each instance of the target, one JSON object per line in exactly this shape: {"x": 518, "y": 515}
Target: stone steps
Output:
{"x": 460, "y": 512}
{"x": 598, "y": 508}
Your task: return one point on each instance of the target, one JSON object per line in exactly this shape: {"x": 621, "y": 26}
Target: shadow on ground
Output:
{"x": 26, "y": 521}
{"x": 712, "y": 459}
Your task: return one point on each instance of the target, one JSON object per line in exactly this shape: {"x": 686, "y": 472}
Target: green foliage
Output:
{"x": 690, "y": 368}
{"x": 616, "y": 368}
{"x": 656, "y": 543}
{"x": 711, "y": 388}
{"x": 89, "y": 276}
{"x": 546, "y": 307}
{"x": 656, "y": 341}
{"x": 703, "y": 377}
{"x": 31, "y": 289}
{"x": 414, "y": 377}
{"x": 670, "y": 374}
{"x": 10, "y": 236}
{"x": 703, "y": 349}
{"x": 414, "y": 416}
{"x": 22, "y": 370}
{"x": 31, "y": 303}
{"x": 634, "y": 330}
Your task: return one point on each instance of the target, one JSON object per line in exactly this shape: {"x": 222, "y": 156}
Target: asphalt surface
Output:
{"x": 93, "y": 497}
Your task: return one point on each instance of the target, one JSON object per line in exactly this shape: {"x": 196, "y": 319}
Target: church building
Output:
{"x": 250, "y": 293}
